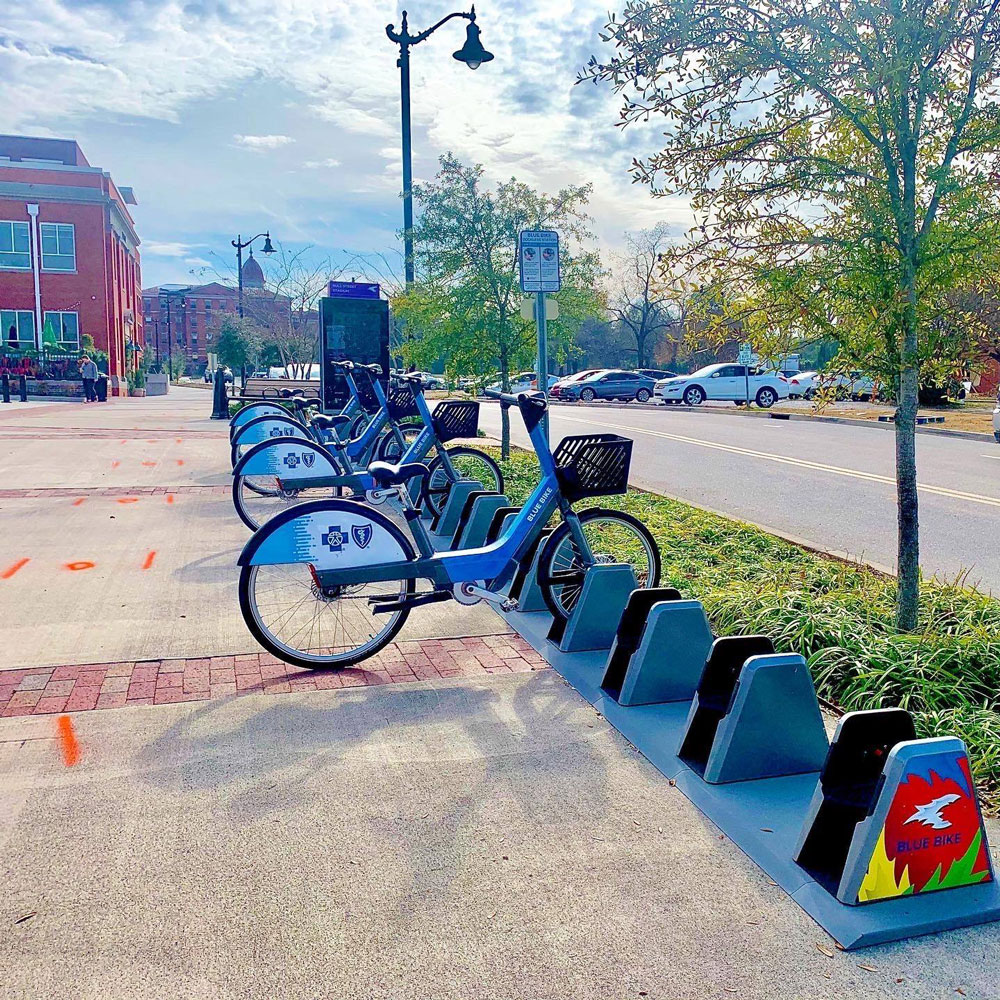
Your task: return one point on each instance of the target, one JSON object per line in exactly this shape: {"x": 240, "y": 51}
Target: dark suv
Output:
{"x": 614, "y": 384}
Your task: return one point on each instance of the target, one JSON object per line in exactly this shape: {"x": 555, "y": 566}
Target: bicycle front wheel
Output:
{"x": 469, "y": 463}
{"x": 613, "y": 537}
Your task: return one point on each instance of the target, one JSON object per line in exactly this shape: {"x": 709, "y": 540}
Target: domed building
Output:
{"x": 253, "y": 273}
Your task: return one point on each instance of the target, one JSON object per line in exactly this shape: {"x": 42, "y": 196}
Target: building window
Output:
{"x": 67, "y": 328}
{"x": 58, "y": 247}
{"x": 18, "y": 328}
{"x": 15, "y": 246}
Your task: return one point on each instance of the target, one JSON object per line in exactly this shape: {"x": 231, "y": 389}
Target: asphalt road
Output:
{"x": 829, "y": 485}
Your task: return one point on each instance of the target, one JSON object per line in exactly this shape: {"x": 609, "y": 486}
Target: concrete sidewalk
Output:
{"x": 450, "y": 839}
{"x": 120, "y": 538}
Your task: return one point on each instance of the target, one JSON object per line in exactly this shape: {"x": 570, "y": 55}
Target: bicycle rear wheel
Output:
{"x": 613, "y": 537}
{"x": 259, "y": 498}
{"x": 296, "y": 619}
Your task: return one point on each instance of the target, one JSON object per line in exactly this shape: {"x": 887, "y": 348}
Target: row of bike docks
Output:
{"x": 876, "y": 834}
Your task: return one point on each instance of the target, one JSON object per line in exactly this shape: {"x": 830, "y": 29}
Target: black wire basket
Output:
{"x": 593, "y": 465}
{"x": 456, "y": 418}
{"x": 402, "y": 403}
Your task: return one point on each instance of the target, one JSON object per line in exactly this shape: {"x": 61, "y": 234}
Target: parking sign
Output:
{"x": 538, "y": 254}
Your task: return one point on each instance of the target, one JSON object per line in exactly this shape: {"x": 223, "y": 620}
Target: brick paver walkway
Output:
{"x": 44, "y": 690}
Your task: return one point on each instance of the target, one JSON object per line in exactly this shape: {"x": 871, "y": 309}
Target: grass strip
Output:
{"x": 839, "y": 616}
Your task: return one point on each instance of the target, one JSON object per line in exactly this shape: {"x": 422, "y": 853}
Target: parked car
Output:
{"x": 552, "y": 379}
{"x": 723, "y": 382}
{"x": 802, "y": 385}
{"x": 996, "y": 420}
{"x": 610, "y": 384}
{"x": 845, "y": 385}
{"x": 654, "y": 373}
{"x": 557, "y": 389}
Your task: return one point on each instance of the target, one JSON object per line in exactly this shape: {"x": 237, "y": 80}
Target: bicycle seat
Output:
{"x": 301, "y": 403}
{"x": 386, "y": 474}
{"x": 324, "y": 422}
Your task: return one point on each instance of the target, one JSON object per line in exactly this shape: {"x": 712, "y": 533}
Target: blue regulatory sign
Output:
{"x": 538, "y": 255}
{"x": 354, "y": 290}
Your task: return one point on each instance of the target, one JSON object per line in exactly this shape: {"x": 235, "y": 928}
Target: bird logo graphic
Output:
{"x": 929, "y": 814}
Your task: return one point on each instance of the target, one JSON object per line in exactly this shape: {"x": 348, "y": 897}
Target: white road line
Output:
{"x": 798, "y": 462}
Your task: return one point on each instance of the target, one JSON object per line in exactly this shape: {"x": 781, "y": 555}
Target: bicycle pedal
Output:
{"x": 510, "y": 605}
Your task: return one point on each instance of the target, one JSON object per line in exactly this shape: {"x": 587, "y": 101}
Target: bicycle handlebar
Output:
{"x": 518, "y": 399}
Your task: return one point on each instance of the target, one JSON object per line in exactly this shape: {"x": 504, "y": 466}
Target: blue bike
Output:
{"x": 331, "y": 582}
{"x": 284, "y": 471}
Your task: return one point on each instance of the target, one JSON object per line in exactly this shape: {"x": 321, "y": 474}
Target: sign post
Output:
{"x": 538, "y": 256}
{"x": 746, "y": 356}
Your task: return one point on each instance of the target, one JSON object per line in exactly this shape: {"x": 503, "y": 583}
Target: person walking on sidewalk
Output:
{"x": 88, "y": 372}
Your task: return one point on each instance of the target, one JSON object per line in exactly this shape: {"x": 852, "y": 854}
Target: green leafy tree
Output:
{"x": 841, "y": 158}
{"x": 465, "y": 307}
{"x": 238, "y": 343}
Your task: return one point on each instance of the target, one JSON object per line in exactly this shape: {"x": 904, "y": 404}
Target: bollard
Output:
{"x": 221, "y": 400}
{"x": 5, "y": 385}
{"x": 22, "y": 385}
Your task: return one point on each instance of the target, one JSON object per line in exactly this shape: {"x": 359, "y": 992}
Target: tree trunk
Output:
{"x": 908, "y": 538}
{"x": 504, "y": 411}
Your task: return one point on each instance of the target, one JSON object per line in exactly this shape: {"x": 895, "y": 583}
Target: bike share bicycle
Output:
{"x": 331, "y": 582}
{"x": 287, "y": 471}
{"x": 271, "y": 420}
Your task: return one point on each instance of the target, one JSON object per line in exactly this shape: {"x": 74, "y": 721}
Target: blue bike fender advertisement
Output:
{"x": 255, "y": 410}
{"x": 268, "y": 429}
{"x": 288, "y": 459}
{"x": 345, "y": 536}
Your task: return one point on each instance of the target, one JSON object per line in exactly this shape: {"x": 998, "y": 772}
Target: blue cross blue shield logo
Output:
{"x": 362, "y": 535}
{"x": 334, "y": 539}
{"x": 291, "y": 460}
{"x": 308, "y": 459}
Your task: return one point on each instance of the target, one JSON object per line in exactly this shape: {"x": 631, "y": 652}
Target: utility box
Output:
{"x": 354, "y": 326}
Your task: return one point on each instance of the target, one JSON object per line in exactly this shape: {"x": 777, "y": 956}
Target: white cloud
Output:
{"x": 158, "y": 248}
{"x": 262, "y": 142}
{"x": 168, "y": 96}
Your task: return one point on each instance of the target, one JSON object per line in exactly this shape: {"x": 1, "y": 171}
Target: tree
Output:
{"x": 640, "y": 304}
{"x": 464, "y": 308}
{"x": 841, "y": 157}
{"x": 238, "y": 343}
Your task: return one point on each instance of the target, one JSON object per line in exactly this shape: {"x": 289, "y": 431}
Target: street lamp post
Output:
{"x": 240, "y": 247}
{"x": 473, "y": 55}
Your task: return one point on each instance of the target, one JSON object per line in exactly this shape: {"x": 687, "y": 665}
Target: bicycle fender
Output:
{"x": 289, "y": 458}
{"x": 267, "y": 428}
{"x": 329, "y": 534}
{"x": 253, "y": 411}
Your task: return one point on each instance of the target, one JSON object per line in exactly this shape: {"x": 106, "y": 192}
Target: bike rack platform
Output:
{"x": 764, "y": 817}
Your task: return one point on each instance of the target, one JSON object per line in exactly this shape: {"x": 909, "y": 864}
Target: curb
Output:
{"x": 737, "y": 412}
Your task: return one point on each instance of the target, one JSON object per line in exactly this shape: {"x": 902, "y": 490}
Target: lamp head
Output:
{"x": 472, "y": 52}
{"x": 267, "y": 244}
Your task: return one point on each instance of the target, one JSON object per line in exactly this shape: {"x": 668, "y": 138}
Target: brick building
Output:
{"x": 187, "y": 319}
{"x": 69, "y": 254}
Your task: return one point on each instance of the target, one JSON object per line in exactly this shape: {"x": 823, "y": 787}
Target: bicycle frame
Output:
{"x": 494, "y": 563}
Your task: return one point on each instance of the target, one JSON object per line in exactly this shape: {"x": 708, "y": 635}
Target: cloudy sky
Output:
{"x": 241, "y": 115}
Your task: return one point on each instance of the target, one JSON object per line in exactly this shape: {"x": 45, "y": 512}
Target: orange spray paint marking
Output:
{"x": 115, "y": 464}
{"x": 79, "y": 565}
{"x": 170, "y": 498}
{"x": 124, "y": 441}
{"x": 67, "y": 741}
{"x": 78, "y": 501}
{"x": 179, "y": 440}
{"x": 149, "y": 465}
{"x": 147, "y": 563}
{"x": 128, "y": 499}
{"x": 11, "y": 570}
{"x": 180, "y": 461}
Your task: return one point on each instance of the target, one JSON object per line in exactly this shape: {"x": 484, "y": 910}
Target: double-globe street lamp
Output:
{"x": 241, "y": 245}
{"x": 473, "y": 55}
